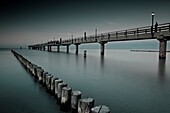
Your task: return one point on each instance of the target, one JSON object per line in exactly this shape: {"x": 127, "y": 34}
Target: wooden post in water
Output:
{"x": 40, "y": 74}
{"x": 44, "y": 77}
{"x": 34, "y": 70}
{"x": 85, "y": 105}
{"x": 85, "y": 53}
{"x": 53, "y": 84}
{"x": 100, "y": 109}
{"x": 60, "y": 87}
{"x": 75, "y": 96}
{"x": 56, "y": 82}
{"x": 66, "y": 99}
{"x": 48, "y": 83}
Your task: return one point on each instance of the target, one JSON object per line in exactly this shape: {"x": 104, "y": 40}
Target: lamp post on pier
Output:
{"x": 153, "y": 14}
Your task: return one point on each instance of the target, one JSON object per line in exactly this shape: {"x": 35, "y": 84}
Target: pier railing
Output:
{"x": 118, "y": 35}
{"x": 129, "y": 34}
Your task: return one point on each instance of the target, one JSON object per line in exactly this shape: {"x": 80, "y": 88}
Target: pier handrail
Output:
{"x": 109, "y": 35}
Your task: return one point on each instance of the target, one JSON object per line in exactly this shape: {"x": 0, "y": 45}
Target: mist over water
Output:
{"x": 127, "y": 82}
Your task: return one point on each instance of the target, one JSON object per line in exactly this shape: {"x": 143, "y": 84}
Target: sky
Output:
{"x": 24, "y": 22}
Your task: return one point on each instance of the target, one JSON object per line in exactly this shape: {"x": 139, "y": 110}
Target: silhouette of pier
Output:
{"x": 160, "y": 32}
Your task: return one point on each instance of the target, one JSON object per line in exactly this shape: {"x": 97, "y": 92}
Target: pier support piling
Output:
{"x": 68, "y": 48}
{"x": 43, "y": 48}
{"x": 49, "y": 48}
{"x": 58, "y": 48}
{"x": 77, "y": 47}
{"x": 102, "y": 47}
{"x": 162, "y": 48}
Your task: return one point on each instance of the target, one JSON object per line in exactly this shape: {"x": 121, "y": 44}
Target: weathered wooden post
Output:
{"x": 85, "y": 53}
{"x": 40, "y": 74}
{"x": 75, "y": 96}
{"x": 56, "y": 82}
{"x": 53, "y": 84}
{"x": 85, "y": 105}
{"x": 34, "y": 70}
{"x": 28, "y": 65}
{"x": 44, "y": 77}
{"x": 100, "y": 109}
{"x": 60, "y": 87}
{"x": 31, "y": 68}
{"x": 66, "y": 99}
{"x": 48, "y": 81}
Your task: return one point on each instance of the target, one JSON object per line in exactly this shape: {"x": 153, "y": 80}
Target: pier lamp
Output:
{"x": 153, "y": 14}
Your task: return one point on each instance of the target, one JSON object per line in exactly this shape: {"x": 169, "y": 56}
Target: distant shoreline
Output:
{"x": 146, "y": 51}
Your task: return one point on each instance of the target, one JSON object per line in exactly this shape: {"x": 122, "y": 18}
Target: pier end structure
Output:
{"x": 163, "y": 38}
{"x": 102, "y": 47}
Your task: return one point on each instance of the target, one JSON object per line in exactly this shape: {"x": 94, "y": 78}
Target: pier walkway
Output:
{"x": 160, "y": 33}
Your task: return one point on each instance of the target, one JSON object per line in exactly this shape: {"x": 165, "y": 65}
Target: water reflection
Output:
{"x": 85, "y": 62}
{"x": 102, "y": 62}
{"x": 77, "y": 59}
{"x": 161, "y": 68}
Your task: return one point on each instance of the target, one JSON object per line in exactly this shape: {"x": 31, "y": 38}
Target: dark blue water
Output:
{"x": 127, "y": 82}
{"x": 18, "y": 92}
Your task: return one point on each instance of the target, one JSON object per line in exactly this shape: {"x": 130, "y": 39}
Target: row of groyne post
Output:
{"x": 69, "y": 100}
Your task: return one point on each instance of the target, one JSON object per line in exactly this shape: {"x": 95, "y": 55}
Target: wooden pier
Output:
{"x": 160, "y": 33}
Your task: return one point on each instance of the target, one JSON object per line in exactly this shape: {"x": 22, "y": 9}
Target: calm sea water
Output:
{"x": 127, "y": 82}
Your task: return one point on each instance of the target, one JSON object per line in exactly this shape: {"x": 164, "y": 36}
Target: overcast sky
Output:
{"x": 24, "y": 22}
